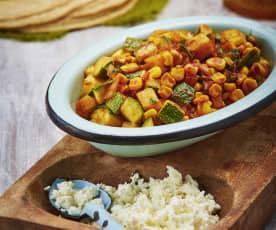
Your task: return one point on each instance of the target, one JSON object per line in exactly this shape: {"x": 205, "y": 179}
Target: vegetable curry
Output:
{"x": 170, "y": 77}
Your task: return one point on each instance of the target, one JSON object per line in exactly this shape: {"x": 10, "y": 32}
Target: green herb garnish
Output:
{"x": 235, "y": 55}
{"x": 109, "y": 81}
{"x": 184, "y": 48}
{"x": 231, "y": 78}
{"x": 220, "y": 50}
{"x": 217, "y": 38}
{"x": 166, "y": 39}
{"x": 249, "y": 59}
{"x": 153, "y": 101}
{"x": 135, "y": 74}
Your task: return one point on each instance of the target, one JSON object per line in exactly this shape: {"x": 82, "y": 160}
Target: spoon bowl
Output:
{"x": 95, "y": 211}
{"x": 78, "y": 184}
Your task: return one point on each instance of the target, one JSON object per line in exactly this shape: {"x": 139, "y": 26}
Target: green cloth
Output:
{"x": 144, "y": 10}
{"x": 32, "y": 37}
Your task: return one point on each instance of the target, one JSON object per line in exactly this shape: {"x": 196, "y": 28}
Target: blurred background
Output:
{"x": 36, "y": 41}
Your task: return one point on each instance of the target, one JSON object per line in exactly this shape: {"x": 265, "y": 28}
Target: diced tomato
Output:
{"x": 191, "y": 80}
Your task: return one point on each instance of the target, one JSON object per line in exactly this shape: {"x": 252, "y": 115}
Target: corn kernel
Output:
{"x": 244, "y": 70}
{"x": 177, "y": 57}
{"x": 263, "y": 61}
{"x": 164, "y": 91}
{"x": 258, "y": 69}
{"x": 122, "y": 78}
{"x": 89, "y": 70}
{"x": 216, "y": 62}
{"x": 168, "y": 80}
{"x": 190, "y": 70}
{"x": 130, "y": 68}
{"x": 215, "y": 90}
{"x": 167, "y": 58}
{"x": 236, "y": 95}
{"x": 198, "y": 94}
{"x": 185, "y": 118}
{"x": 150, "y": 113}
{"x": 240, "y": 79}
{"x": 225, "y": 96}
{"x": 196, "y": 61}
{"x": 135, "y": 83}
{"x": 205, "y": 108}
{"x": 241, "y": 48}
{"x": 218, "y": 103}
{"x": 198, "y": 86}
{"x": 155, "y": 72}
{"x": 228, "y": 61}
{"x": 219, "y": 78}
{"x": 229, "y": 86}
{"x": 200, "y": 99}
{"x": 177, "y": 73}
{"x": 249, "y": 84}
{"x": 248, "y": 44}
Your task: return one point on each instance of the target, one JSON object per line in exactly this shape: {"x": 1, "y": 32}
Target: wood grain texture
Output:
{"x": 26, "y": 132}
{"x": 242, "y": 179}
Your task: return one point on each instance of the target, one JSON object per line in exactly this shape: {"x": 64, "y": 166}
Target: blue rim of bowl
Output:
{"x": 159, "y": 138}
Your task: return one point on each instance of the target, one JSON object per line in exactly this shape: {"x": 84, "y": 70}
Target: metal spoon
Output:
{"x": 95, "y": 211}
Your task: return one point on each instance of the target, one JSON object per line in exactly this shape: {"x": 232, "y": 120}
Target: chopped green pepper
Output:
{"x": 114, "y": 104}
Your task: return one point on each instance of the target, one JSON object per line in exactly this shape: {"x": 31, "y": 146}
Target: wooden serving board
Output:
{"x": 238, "y": 166}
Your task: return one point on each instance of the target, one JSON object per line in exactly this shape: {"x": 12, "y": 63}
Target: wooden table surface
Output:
{"x": 26, "y": 132}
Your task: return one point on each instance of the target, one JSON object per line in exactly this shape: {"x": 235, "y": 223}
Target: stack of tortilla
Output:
{"x": 36, "y": 16}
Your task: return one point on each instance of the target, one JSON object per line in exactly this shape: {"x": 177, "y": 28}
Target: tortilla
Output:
{"x": 70, "y": 23}
{"x": 12, "y": 9}
{"x": 96, "y": 6}
{"x": 44, "y": 17}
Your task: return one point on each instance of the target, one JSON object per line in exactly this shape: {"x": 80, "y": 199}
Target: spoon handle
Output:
{"x": 101, "y": 216}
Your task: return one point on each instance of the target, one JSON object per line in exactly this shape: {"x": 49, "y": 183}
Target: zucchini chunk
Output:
{"x": 89, "y": 83}
{"x": 101, "y": 65}
{"x": 184, "y": 93}
{"x": 132, "y": 110}
{"x": 104, "y": 117}
{"x": 147, "y": 98}
{"x": 114, "y": 104}
{"x": 148, "y": 123}
{"x": 99, "y": 91}
{"x": 170, "y": 112}
{"x": 132, "y": 44}
{"x": 99, "y": 95}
